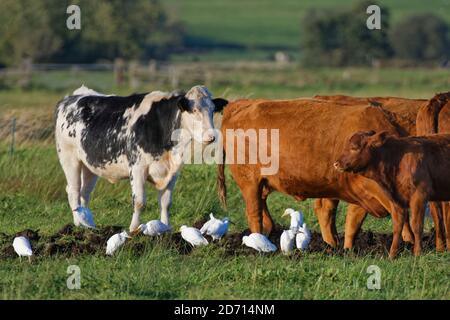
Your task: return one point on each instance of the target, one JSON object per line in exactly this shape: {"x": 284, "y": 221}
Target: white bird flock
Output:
{"x": 215, "y": 228}
{"x": 115, "y": 242}
{"x": 259, "y": 242}
{"x": 22, "y": 247}
{"x": 154, "y": 228}
{"x": 83, "y": 216}
{"x": 193, "y": 236}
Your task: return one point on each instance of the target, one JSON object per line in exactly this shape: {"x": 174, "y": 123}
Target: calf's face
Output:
{"x": 198, "y": 118}
{"x": 359, "y": 151}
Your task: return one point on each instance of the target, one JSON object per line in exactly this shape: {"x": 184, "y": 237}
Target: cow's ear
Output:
{"x": 183, "y": 103}
{"x": 219, "y": 104}
{"x": 378, "y": 139}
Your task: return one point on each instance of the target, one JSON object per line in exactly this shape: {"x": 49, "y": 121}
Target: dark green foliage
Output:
{"x": 421, "y": 37}
{"x": 138, "y": 29}
{"x": 338, "y": 38}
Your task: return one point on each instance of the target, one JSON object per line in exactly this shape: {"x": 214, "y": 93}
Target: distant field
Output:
{"x": 254, "y": 28}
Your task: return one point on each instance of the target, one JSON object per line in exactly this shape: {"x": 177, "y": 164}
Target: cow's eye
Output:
{"x": 354, "y": 149}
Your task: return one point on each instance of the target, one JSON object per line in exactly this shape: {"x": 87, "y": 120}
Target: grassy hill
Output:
{"x": 257, "y": 28}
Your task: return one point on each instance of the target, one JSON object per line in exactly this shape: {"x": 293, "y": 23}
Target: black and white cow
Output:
{"x": 130, "y": 137}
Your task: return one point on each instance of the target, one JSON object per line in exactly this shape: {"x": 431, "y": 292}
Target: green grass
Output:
{"x": 263, "y": 26}
{"x": 32, "y": 195}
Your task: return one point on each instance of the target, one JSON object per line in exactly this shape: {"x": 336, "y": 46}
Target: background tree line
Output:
{"x": 333, "y": 37}
{"x": 146, "y": 29}
{"x": 137, "y": 29}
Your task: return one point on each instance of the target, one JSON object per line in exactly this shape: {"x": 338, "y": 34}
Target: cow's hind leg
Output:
{"x": 88, "y": 181}
{"x": 137, "y": 178}
{"x": 72, "y": 170}
{"x": 253, "y": 206}
{"x": 325, "y": 210}
{"x": 446, "y": 216}
{"x": 437, "y": 214}
{"x": 267, "y": 221}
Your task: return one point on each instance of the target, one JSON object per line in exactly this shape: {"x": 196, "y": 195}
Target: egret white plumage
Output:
{"x": 154, "y": 228}
{"x": 303, "y": 237}
{"x": 83, "y": 216}
{"x": 216, "y": 228}
{"x": 22, "y": 247}
{"x": 296, "y": 218}
{"x": 287, "y": 240}
{"x": 115, "y": 242}
{"x": 259, "y": 242}
{"x": 193, "y": 236}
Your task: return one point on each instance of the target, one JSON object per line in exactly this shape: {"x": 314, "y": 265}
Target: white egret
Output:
{"x": 259, "y": 242}
{"x": 287, "y": 240}
{"x": 83, "y": 216}
{"x": 193, "y": 236}
{"x": 296, "y": 218}
{"x": 22, "y": 247}
{"x": 216, "y": 228}
{"x": 303, "y": 237}
{"x": 115, "y": 242}
{"x": 154, "y": 228}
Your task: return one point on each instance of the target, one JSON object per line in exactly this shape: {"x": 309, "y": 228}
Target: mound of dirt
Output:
{"x": 74, "y": 241}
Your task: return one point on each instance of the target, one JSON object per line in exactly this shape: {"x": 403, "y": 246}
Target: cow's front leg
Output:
{"x": 325, "y": 210}
{"x": 138, "y": 178}
{"x": 165, "y": 200}
{"x": 417, "y": 205}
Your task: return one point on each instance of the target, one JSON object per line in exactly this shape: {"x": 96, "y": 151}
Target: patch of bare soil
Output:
{"x": 74, "y": 241}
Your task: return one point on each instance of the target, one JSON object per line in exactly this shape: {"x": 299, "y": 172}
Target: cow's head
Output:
{"x": 198, "y": 108}
{"x": 360, "y": 150}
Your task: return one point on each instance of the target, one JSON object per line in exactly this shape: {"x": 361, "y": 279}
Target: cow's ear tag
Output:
{"x": 183, "y": 104}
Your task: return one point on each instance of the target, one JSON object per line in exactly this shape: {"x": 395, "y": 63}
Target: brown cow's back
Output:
{"x": 405, "y": 110}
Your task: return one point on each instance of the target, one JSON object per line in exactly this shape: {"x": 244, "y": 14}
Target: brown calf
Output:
{"x": 411, "y": 170}
{"x": 434, "y": 117}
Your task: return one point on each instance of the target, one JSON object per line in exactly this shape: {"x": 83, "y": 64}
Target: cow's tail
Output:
{"x": 221, "y": 186}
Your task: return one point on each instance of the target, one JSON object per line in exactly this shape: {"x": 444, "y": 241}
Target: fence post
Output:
{"x": 133, "y": 74}
{"x": 174, "y": 77}
{"x": 13, "y": 136}
{"x": 25, "y": 69}
{"x": 119, "y": 69}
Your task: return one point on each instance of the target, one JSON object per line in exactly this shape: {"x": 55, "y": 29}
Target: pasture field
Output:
{"x": 252, "y": 29}
{"x": 32, "y": 195}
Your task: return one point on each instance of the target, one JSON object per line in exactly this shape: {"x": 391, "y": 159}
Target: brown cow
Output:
{"x": 434, "y": 117}
{"x": 404, "y": 112}
{"x": 311, "y": 135}
{"x": 412, "y": 170}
